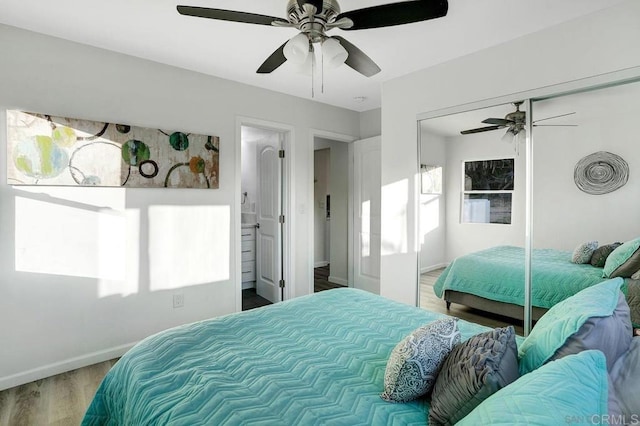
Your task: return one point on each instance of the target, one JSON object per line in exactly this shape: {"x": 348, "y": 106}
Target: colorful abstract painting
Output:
{"x": 48, "y": 150}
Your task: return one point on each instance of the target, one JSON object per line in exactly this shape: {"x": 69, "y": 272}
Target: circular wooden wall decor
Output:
{"x": 600, "y": 173}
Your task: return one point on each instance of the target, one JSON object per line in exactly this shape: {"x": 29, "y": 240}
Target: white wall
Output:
{"x": 370, "y": 123}
{"x": 463, "y": 238}
{"x": 338, "y": 187}
{"x": 433, "y": 220}
{"x": 564, "y": 53}
{"x": 84, "y": 313}
{"x": 321, "y": 164}
{"x": 564, "y": 216}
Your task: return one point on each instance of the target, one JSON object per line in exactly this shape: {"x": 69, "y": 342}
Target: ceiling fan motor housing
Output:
{"x": 311, "y": 21}
{"x": 518, "y": 119}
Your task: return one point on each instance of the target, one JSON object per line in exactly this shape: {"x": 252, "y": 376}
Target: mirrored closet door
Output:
{"x": 584, "y": 199}
{"x": 471, "y": 210}
{"x": 586, "y": 189}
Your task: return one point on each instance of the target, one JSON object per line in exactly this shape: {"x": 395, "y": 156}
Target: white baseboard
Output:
{"x": 321, "y": 264}
{"x": 433, "y": 267}
{"x": 62, "y": 366}
{"x": 338, "y": 280}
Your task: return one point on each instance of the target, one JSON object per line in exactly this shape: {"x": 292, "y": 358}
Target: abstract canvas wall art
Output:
{"x": 49, "y": 150}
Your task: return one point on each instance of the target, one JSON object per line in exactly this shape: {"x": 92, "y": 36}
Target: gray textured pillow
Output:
{"x": 636, "y": 276}
{"x": 474, "y": 370}
{"x": 414, "y": 363}
{"x": 583, "y": 253}
{"x": 633, "y": 300}
{"x": 626, "y": 385}
{"x": 600, "y": 255}
{"x": 612, "y": 335}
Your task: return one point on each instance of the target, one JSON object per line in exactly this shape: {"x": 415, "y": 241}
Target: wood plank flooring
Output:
{"x": 59, "y": 400}
{"x": 250, "y": 300}
{"x": 63, "y": 399}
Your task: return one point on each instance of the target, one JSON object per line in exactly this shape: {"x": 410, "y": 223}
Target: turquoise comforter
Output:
{"x": 497, "y": 273}
{"x": 317, "y": 359}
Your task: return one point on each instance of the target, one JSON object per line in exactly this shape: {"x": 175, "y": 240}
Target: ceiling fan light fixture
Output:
{"x": 333, "y": 53}
{"x": 296, "y": 50}
{"x": 306, "y": 67}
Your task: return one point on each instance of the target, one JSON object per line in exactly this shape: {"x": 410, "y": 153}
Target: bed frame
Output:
{"x": 505, "y": 309}
{"x": 517, "y": 312}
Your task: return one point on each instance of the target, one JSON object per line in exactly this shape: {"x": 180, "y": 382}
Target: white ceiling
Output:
{"x": 153, "y": 29}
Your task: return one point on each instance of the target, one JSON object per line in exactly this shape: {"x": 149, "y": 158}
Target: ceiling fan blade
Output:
{"x": 404, "y": 12}
{"x": 555, "y": 116}
{"x": 357, "y": 59}
{"x": 276, "y": 59}
{"x": 229, "y": 15}
{"x": 555, "y": 125}
{"x": 498, "y": 121}
{"x": 481, "y": 129}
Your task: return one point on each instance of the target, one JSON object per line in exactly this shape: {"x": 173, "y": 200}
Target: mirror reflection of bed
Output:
{"x": 484, "y": 276}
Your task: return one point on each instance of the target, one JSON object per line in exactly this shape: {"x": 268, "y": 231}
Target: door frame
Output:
{"x": 339, "y": 137}
{"x": 288, "y": 240}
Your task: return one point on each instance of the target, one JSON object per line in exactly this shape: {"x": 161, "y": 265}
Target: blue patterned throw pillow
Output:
{"x": 414, "y": 363}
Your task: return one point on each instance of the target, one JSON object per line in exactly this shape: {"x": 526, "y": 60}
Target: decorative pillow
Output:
{"x": 633, "y": 300}
{"x": 624, "y": 377}
{"x": 474, "y": 370}
{"x": 414, "y": 363}
{"x": 623, "y": 261}
{"x": 583, "y": 253}
{"x": 573, "y": 389}
{"x": 595, "y": 318}
{"x": 636, "y": 276}
{"x": 600, "y": 255}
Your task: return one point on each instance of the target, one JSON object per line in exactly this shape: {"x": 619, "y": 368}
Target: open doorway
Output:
{"x": 331, "y": 220}
{"x": 262, "y": 216}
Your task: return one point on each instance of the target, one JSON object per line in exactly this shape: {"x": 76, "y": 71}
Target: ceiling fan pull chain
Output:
{"x": 322, "y": 71}
{"x": 313, "y": 71}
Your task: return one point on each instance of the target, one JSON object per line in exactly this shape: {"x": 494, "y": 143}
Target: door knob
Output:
{"x": 257, "y": 225}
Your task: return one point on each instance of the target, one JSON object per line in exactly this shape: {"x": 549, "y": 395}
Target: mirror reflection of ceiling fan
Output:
{"x": 313, "y": 18}
{"x": 515, "y": 123}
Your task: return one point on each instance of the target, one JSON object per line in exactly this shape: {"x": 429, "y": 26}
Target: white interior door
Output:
{"x": 268, "y": 233}
{"x": 366, "y": 204}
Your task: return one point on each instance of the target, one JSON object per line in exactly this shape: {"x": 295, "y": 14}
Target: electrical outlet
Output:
{"x": 178, "y": 300}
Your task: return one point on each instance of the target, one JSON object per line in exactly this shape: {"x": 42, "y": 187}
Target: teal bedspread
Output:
{"x": 318, "y": 359}
{"x": 497, "y": 273}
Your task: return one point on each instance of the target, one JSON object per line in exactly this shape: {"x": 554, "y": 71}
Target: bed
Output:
{"x": 493, "y": 280}
{"x": 318, "y": 359}
{"x": 321, "y": 360}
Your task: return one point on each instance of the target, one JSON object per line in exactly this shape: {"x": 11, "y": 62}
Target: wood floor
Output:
{"x": 59, "y": 400}
{"x": 251, "y": 300}
{"x": 62, "y": 400}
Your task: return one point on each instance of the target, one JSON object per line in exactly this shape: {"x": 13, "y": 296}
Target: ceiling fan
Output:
{"x": 514, "y": 122}
{"x": 314, "y": 18}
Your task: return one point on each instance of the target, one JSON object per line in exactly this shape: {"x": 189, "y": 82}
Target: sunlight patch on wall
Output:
{"x": 394, "y": 227}
{"x": 129, "y": 246}
{"x": 365, "y": 232}
{"x": 61, "y": 237}
{"x": 188, "y": 245}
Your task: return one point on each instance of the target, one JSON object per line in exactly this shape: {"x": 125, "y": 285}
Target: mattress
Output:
{"x": 318, "y": 359}
{"x": 497, "y": 273}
